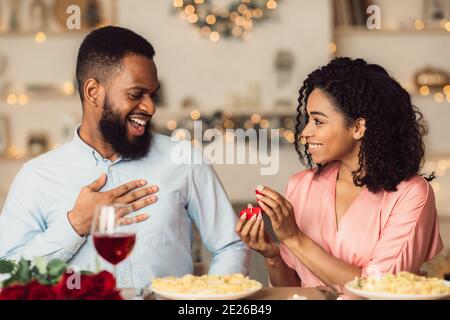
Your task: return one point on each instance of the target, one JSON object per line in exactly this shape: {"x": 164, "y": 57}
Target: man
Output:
{"x": 47, "y": 215}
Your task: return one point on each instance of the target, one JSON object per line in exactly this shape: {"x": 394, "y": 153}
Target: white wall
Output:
{"x": 183, "y": 56}
{"x": 302, "y": 26}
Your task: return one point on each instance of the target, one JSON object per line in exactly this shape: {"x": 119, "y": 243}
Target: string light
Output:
{"x": 439, "y": 97}
{"x": 205, "y": 31}
{"x": 15, "y": 153}
{"x": 271, "y": 4}
{"x": 264, "y": 123}
{"x": 424, "y": 90}
{"x": 248, "y": 124}
{"x": 190, "y": 9}
{"x": 419, "y": 25}
{"x": 332, "y": 47}
{"x": 446, "y": 89}
{"x": 172, "y": 125}
{"x": 237, "y": 20}
{"x": 40, "y": 37}
{"x": 23, "y": 99}
{"x": 228, "y": 124}
{"x": 193, "y": 18}
{"x": 180, "y": 134}
{"x": 211, "y": 19}
{"x": 11, "y": 99}
{"x": 255, "y": 118}
{"x": 242, "y": 8}
{"x": 68, "y": 88}
{"x": 447, "y": 26}
{"x": 236, "y": 31}
{"x": 178, "y": 3}
{"x": 214, "y": 36}
{"x": 195, "y": 115}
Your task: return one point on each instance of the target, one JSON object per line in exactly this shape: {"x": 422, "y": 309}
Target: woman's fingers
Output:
{"x": 247, "y": 227}
{"x": 240, "y": 223}
{"x": 261, "y": 231}
{"x": 254, "y": 239}
{"x": 276, "y": 206}
{"x": 284, "y": 204}
{"x": 269, "y": 211}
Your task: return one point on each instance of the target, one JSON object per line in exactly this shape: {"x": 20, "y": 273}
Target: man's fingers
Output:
{"x": 98, "y": 184}
{"x": 138, "y": 194}
{"x": 142, "y": 203}
{"x": 127, "y": 187}
{"x": 132, "y": 220}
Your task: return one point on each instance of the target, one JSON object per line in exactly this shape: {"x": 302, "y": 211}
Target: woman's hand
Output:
{"x": 252, "y": 233}
{"x": 280, "y": 212}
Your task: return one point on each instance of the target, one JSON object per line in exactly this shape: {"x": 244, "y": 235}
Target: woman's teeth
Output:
{"x": 314, "y": 145}
{"x": 139, "y": 121}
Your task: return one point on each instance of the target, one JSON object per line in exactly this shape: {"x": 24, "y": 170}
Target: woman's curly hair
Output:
{"x": 392, "y": 149}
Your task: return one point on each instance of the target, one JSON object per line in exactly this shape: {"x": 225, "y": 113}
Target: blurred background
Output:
{"x": 229, "y": 63}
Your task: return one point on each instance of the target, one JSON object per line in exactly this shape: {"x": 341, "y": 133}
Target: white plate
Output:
{"x": 351, "y": 287}
{"x": 188, "y": 296}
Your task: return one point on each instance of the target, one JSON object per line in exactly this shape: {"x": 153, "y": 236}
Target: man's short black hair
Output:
{"x": 102, "y": 52}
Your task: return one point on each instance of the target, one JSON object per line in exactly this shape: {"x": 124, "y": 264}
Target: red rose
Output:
{"x": 37, "y": 291}
{"x": 72, "y": 286}
{"x": 102, "y": 284}
{"x": 15, "y": 292}
{"x": 115, "y": 295}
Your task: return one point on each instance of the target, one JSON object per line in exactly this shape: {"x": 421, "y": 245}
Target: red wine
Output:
{"x": 115, "y": 247}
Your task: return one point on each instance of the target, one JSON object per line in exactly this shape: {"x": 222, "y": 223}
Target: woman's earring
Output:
{"x": 302, "y": 140}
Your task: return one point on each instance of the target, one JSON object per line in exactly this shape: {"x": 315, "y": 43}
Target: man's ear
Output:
{"x": 360, "y": 129}
{"x": 92, "y": 92}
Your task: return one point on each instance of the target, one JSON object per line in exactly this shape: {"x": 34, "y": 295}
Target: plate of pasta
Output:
{"x": 206, "y": 287}
{"x": 402, "y": 286}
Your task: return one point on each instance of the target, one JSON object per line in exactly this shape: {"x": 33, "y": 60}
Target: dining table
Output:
{"x": 266, "y": 293}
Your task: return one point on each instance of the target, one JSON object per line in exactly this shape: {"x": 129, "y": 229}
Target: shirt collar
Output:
{"x": 92, "y": 154}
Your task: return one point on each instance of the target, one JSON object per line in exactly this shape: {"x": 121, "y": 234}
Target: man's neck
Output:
{"x": 95, "y": 140}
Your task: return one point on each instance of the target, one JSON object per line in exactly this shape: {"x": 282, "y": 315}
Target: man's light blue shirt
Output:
{"x": 34, "y": 219}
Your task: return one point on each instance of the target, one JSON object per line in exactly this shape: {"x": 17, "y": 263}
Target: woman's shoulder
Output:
{"x": 413, "y": 192}
{"x": 415, "y": 186}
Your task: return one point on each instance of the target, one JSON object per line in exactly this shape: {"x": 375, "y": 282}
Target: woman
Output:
{"x": 362, "y": 206}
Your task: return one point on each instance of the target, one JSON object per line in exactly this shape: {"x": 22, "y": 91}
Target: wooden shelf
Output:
{"x": 49, "y": 34}
{"x": 361, "y": 31}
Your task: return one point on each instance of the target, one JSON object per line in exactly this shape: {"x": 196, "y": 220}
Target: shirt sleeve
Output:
{"x": 410, "y": 236}
{"x": 24, "y": 231}
{"x": 210, "y": 209}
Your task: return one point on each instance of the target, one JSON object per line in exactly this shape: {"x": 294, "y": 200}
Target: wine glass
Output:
{"x": 113, "y": 240}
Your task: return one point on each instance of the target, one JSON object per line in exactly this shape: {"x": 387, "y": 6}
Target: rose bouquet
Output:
{"x": 53, "y": 280}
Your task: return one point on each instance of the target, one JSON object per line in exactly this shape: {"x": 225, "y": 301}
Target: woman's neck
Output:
{"x": 348, "y": 165}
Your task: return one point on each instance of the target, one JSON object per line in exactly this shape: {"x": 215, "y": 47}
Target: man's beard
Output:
{"x": 114, "y": 131}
